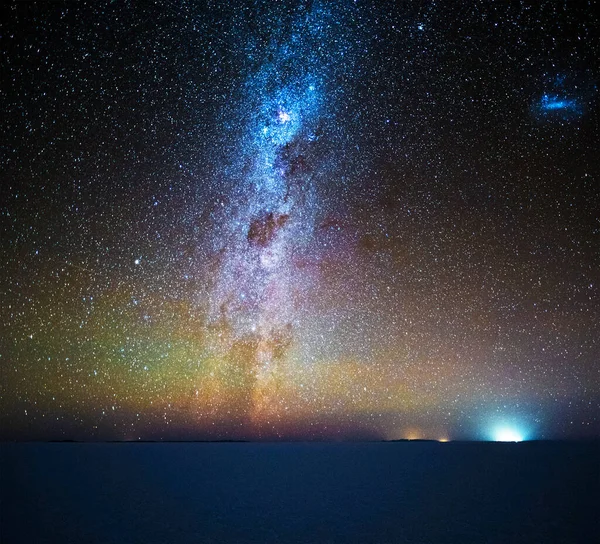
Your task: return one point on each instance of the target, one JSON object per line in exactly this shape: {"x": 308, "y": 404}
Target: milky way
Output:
{"x": 269, "y": 223}
{"x": 300, "y": 220}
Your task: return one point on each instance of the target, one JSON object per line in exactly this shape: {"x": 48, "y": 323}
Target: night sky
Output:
{"x": 299, "y": 220}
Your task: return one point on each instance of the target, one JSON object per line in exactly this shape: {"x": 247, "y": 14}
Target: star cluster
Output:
{"x": 300, "y": 220}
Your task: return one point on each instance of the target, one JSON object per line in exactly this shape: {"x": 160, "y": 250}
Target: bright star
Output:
{"x": 283, "y": 116}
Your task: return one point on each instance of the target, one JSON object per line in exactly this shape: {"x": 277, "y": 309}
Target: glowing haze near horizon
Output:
{"x": 300, "y": 220}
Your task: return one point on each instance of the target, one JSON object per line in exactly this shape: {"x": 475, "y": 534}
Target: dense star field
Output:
{"x": 300, "y": 220}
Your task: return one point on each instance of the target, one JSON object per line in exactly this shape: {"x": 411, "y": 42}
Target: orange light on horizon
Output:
{"x": 413, "y": 434}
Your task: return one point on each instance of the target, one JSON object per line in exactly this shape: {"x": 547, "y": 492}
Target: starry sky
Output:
{"x": 269, "y": 220}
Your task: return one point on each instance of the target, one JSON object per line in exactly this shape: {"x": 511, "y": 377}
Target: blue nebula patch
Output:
{"x": 562, "y": 100}
{"x": 557, "y": 107}
{"x": 552, "y": 102}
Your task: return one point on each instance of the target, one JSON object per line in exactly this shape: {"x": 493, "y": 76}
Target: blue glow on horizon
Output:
{"x": 508, "y": 430}
{"x": 508, "y": 434}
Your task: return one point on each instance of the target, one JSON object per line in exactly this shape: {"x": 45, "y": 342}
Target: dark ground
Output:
{"x": 537, "y": 492}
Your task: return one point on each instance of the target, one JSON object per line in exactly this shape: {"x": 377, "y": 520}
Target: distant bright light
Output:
{"x": 506, "y": 434}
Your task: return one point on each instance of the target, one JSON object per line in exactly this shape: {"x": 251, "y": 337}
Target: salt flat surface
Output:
{"x": 405, "y": 492}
